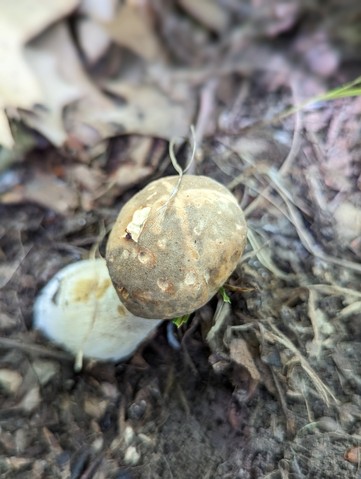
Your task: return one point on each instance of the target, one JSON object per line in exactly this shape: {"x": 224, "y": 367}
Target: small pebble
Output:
{"x": 137, "y": 410}
{"x": 128, "y": 435}
{"x": 131, "y": 456}
{"x": 95, "y": 407}
{"x": 97, "y": 444}
{"x": 10, "y": 381}
{"x": 31, "y": 400}
{"x": 45, "y": 370}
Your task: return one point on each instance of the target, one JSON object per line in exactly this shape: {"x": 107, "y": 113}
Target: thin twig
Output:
{"x": 35, "y": 349}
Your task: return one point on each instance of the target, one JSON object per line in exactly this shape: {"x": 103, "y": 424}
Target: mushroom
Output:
{"x": 173, "y": 245}
{"x": 80, "y": 310}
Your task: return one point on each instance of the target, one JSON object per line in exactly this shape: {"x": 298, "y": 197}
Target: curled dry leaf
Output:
{"x": 241, "y": 355}
{"x": 72, "y": 83}
{"x": 56, "y": 92}
{"x": 69, "y": 103}
{"x": 18, "y": 85}
{"x": 93, "y": 117}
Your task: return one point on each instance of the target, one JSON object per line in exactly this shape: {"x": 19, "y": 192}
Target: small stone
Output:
{"x": 17, "y": 463}
{"x": 128, "y": 435}
{"x": 137, "y": 410}
{"x": 21, "y": 440}
{"x": 95, "y": 407}
{"x": 109, "y": 390}
{"x": 6, "y": 322}
{"x": 131, "y": 456}
{"x": 10, "y": 381}
{"x": 98, "y": 444}
{"x": 31, "y": 400}
{"x": 45, "y": 370}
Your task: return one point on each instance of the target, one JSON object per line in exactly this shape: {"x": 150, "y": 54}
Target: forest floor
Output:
{"x": 268, "y": 386}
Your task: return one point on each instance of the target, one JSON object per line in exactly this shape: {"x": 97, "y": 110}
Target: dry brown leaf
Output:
{"x": 132, "y": 28}
{"x": 135, "y": 169}
{"x": 353, "y": 455}
{"x": 92, "y": 38}
{"x": 129, "y": 174}
{"x": 18, "y": 86}
{"x": 89, "y": 182}
{"x": 147, "y": 111}
{"x": 94, "y": 117}
{"x": 90, "y": 116}
{"x": 27, "y": 18}
{"x": 240, "y": 354}
{"x": 57, "y": 93}
{"x": 17, "y": 83}
{"x": 64, "y": 82}
{"x": 45, "y": 190}
{"x": 90, "y": 179}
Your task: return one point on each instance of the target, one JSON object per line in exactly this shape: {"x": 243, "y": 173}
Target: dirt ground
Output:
{"x": 268, "y": 386}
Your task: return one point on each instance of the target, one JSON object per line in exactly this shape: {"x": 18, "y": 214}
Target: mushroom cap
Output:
{"x": 80, "y": 310}
{"x": 171, "y": 250}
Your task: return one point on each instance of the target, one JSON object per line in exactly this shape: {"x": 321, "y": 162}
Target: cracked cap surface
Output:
{"x": 169, "y": 253}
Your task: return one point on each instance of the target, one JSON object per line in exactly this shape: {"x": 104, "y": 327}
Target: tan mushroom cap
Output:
{"x": 169, "y": 253}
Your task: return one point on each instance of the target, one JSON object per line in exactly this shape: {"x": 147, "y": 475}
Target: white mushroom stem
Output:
{"x": 80, "y": 310}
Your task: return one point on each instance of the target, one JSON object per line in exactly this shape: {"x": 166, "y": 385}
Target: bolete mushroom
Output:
{"x": 174, "y": 245}
{"x": 80, "y": 310}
